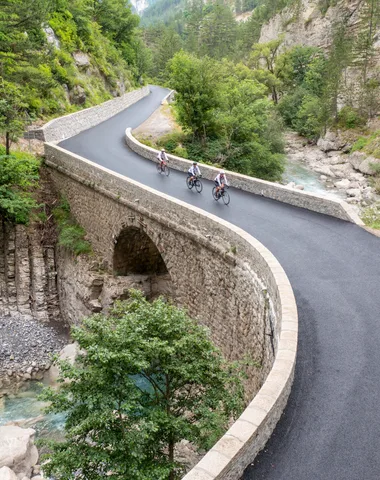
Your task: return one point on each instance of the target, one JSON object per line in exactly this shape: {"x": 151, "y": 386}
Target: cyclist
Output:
{"x": 163, "y": 158}
{"x": 193, "y": 172}
{"x": 220, "y": 181}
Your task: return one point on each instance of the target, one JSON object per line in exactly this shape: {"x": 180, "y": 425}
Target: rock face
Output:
{"x": 28, "y": 286}
{"x": 305, "y": 24}
{"x": 81, "y": 59}
{"x": 17, "y": 451}
{"x": 362, "y": 162}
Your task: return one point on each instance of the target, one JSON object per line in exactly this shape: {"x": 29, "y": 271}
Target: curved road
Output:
{"x": 330, "y": 429}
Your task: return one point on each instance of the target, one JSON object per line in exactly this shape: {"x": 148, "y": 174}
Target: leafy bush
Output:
{"x": 71, "y": 234}
{"x": 349, "y": 117}
{"x": 19, "y": 175}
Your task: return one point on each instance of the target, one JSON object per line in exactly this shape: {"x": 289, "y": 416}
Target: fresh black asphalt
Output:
{"x": 330, "y": 429}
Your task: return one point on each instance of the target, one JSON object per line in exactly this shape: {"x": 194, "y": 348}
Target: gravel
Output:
{"x": 25, "y": 342}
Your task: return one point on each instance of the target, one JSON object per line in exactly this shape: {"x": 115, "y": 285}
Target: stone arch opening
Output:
{"x": 135, "y": 253}
{"x": 137, "y": 259}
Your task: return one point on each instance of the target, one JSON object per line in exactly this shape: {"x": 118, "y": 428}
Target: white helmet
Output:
{"x": 222, "y": 172}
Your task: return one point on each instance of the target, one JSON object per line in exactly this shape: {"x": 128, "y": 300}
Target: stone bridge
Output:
{"x": 226, "y": 279}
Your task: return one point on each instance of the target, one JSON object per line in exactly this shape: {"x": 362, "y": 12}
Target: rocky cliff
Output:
{"x": 306, "y": 23}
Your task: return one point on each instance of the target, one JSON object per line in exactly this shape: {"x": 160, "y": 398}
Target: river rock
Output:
{"x": 353, "y": 192}
{"x": 336, "y": 160}
{"x": 299, "y": 187}
{"x": 325, "y": 170}
{"x": 17, "y": 450}
{"x": 343, "y": 170}
{"x": 330, "y": 142}
{"x": 343, "y": 184}
{"x": 362, "y": 162}
{"x": 7, "y": 474}
{"x": 68, "y": 353}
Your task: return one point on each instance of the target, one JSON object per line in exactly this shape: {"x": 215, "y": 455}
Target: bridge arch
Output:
{"x": 137, "y": 256}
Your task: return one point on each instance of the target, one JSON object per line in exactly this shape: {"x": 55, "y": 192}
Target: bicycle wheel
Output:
{"x": 189, "y": 183}
{"x": 226, "y": 198}
{"x": 198, "y": 185}
{"x": 159, "y": 169}
{"x": 166, "y": 170}
{"x": 214, "y": 194}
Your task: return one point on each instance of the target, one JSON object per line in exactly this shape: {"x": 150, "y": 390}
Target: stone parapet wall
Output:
{"x": 226, "y": 278}
{"x": 65, "y": 127}
{"x": 275, "y": 191}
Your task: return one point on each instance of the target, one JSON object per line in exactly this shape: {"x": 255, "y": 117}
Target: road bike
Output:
{"x": 221, "y": 194}
{"x": 196, "y": 183}
{"x": 163, "y": 168}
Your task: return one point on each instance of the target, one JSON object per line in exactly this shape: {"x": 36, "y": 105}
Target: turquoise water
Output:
{"x": 26, "y": 406}
{"x": 298, "y": 173}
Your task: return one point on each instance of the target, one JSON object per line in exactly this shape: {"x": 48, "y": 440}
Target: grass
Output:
{"x": 369, "y": 144}
{"x": 71, "y": 235}
{"x": 371, "y": 216}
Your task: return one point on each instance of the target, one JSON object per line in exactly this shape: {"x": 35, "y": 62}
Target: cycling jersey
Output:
{"x": 162, "y": 157}
{"x": 194, "y": 170}
{"x": 219, "y": 181}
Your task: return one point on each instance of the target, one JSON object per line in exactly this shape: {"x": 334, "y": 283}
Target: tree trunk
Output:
{"x": 171, "y": 458}
{"x": 7, "y": 143}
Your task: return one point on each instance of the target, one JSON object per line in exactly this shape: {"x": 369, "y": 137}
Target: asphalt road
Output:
{"x": 330, "y": 429}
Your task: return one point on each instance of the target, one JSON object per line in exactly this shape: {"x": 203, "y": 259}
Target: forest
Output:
{"x": 234, "y": 95}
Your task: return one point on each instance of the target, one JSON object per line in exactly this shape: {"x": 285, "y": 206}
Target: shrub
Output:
{"x": 349, "y": 117}
{"x": 71, "y": 234}
{"x": 371, "y": 216}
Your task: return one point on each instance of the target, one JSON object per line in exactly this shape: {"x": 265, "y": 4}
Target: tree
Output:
{"x": 149, "y": 377}
{"x": 18, "y": 175}
{"x": 263, "y": 57}
{"x": 196, "y": 82}
{"x": 12, "y": 113}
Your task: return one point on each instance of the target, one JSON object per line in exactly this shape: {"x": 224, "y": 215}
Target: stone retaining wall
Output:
{"x": 258, "y": 316}
{"x": 64, "y": 127}
{"x": 310, "y": 201}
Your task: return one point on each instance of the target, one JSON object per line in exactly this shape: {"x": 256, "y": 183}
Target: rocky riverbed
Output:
{"x": 343, "y": 174}
{"x": 26, "y": 349}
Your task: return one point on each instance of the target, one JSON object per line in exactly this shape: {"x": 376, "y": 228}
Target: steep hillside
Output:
{"x": 317, "y": 23}
{"x": 59, "y": 56}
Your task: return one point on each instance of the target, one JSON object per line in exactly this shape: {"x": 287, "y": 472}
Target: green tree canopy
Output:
{"x": 150, "y": 377}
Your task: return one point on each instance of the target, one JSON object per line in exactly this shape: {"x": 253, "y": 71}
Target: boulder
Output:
{"x": 68, "y": 353}
{"x": 17, "y": 450}
{"x": 342, "y": 171}
{"x": 330, "y": 142}
{"x": 362, "y": 162}
{"x": 354, "y": 192}
{"x": 7, "y": 474}
{"x": 299, "y": 187}
{"x": 343, "y": 184}
{"x": 336, "y": 160}
{"x": 324, "y": 170}
{"x": 78, "y": 95}
{"x": 81, "y": 59}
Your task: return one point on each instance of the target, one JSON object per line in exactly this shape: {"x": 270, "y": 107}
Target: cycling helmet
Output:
{"x": 195, "y": 163}
{"x": 222, "y": 172}
{"x": 162, "y": 149}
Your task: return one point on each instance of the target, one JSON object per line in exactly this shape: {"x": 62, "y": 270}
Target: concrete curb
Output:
{"x": 229, "y": 457}
{"x": 310, "y": 201}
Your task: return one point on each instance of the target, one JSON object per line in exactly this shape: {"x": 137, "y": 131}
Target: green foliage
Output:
{"x": 45, "y": 77}
{"x": 71, "y": 234}
{"x": 369, "y": 144}
{"x": 227, "y": 116}
{"x": 150, "y": 378}
{"x": 350, "y": 117}
{"x": 12, "y": 113}
{"x": 19, "y": 175}
{"x": 371, "y": 216}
